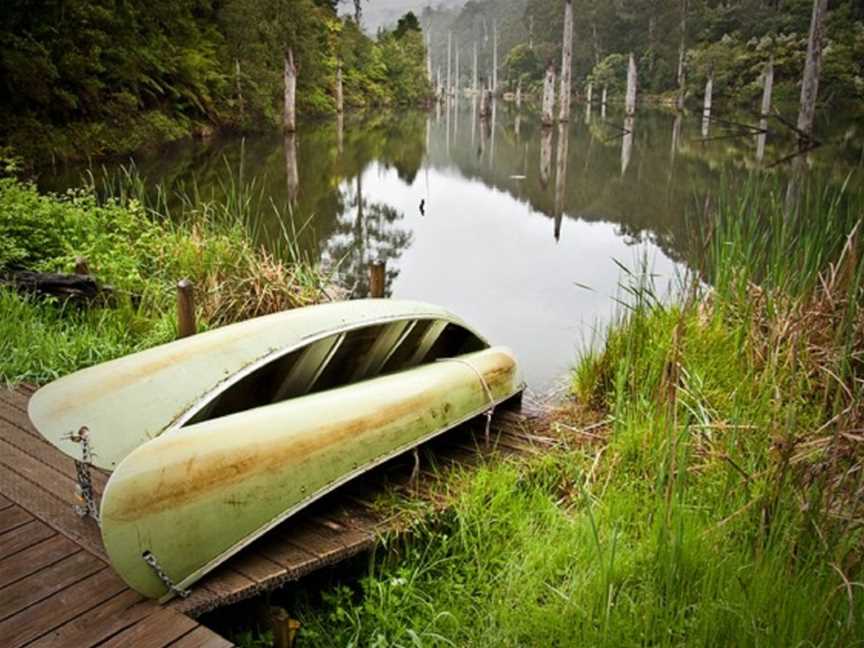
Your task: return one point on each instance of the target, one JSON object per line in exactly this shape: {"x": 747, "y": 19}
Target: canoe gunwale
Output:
{"x": 224, "y": 385}
{"x": 194, "y": 577}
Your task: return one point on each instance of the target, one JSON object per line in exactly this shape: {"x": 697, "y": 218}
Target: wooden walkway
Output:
{"x": 56, "y": 588}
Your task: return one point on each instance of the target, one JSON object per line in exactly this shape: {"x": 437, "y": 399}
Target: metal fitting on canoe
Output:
{"x": 84, "y": 487}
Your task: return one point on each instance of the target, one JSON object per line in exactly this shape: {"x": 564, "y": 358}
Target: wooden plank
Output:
{"x": 24, "y": 536}
{"x": 154, "y": 631}
{"x": 13, "y": 417}
{"x": 13, "y": 517}
{"x": 201, "y": 637}
{"x": 52, "y": 511}
{"x": 44, "y": 583}
{"x": 296, "y": 561}
{"x": 52, "y": 612}
{"x": 5, "y": 503}
{"x": 14, "y": 399}
{"x": 108, "y": 619}
{"x": 35, "y": 558}
{"x": 60, "y": 486}
{"x": 257, "y": 567}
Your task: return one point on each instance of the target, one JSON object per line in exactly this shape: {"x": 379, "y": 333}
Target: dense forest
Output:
{"x": 93, "y": 76}
{"x": 732, "y": 39}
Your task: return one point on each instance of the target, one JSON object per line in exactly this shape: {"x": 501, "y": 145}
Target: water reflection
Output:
{"x": 483, "y": 248}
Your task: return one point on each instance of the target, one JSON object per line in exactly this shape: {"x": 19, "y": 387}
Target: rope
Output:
{"x": 491, "y": 410}
{"x": 150, "y": 559}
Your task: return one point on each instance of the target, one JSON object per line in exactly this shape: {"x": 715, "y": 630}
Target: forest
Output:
{"x": 731, "y": 39}
{"x": 83, "y": 78}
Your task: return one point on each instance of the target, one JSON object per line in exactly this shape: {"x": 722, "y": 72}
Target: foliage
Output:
{"x": 102, "y": 79}
{"x": 142, "y": 255}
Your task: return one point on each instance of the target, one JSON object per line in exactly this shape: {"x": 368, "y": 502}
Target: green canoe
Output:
{"x": 215, "y": 439}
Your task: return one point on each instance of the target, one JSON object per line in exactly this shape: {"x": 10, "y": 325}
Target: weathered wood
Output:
{"x": 812, "y": 68}
{"x": 494, "y": 56}
{"x": 35, "y": 558}
{"x": 456, "y": 77}
{"x": 23, "y": 536}
{"x": 186, "y": 325}
{"x": 449, "y": 64}
{"x": 630, "y": 99}
{"x": 201, "y": 637}
{"x": 519, "y": 94}
{"x": 566, "y": 62}
{"x": 12, "y": 518}
{"x": 285, "y": 628}
{"x": 767, "y": 87}
{"x": 474, "y": 76}
{"x": 706, "y": 106}
{"x": 339, "y": 88}
{"x": 377, "y": 279}
{"x": 548, "y": 117}
{"x": 75, "y": 287}
{"x": 153, "y": 631}
{"x": 289, "y": 122}
{"x": 42, "y": 583}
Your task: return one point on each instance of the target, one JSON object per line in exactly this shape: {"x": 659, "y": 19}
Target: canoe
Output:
{"x": 215, "y": 439}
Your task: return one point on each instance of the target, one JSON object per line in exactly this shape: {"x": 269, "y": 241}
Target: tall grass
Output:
{"x": 721, "y": 506}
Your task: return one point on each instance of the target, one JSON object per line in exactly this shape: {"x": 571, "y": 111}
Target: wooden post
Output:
{"x": 339, "y": 88}
{"x": 285, "y": 628}
{"x": 566, "y": 63}
{"x": 377, "y": 276}
{"x": 631, "y": 86}
{"x": 549, "y": 96}
{"x": 185, "y": 309}
{"x": 290, "y": 82}
{"x": 81, "y": 266}
{"x": 682, "y": 73}
{"x": 812, "y": 67}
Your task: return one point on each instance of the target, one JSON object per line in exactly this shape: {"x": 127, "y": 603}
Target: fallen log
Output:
{"x": 75, "y": 287}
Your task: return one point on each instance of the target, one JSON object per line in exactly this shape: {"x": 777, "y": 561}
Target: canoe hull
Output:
{"x": 198, "y": 494}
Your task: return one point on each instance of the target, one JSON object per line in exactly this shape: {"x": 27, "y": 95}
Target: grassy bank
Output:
{"x": 141, "y": 253}
{"x": 719, "y": 506}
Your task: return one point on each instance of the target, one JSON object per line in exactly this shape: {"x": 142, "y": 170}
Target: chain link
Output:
{"x": 150, "y": 559}
{"x": 84, "y": 487}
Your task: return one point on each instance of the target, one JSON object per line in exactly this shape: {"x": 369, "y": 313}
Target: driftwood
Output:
{"x": 74, "y": 287}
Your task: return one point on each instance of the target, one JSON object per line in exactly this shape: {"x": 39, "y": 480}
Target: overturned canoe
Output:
{"x": 215, "y": 439}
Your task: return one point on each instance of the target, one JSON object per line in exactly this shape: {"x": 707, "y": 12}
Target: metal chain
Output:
{"x": 150, "y": 559}
{"x": 84, "y": 488}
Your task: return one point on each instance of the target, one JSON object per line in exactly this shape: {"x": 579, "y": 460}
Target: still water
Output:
{"x": 516, "y": 228}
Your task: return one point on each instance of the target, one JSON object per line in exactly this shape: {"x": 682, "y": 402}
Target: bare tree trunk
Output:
{"x": 549, "y": 96}
{"x": 456, "y": 79}
{"x": 682, "y": 50}
{"x": 519, "y": 94}
{"x": 566, "y": 62}
{"x": 449, "y": 54}
{"x": 630, "y": 103}
{"x": 676, "y": 136}
{"x": 706, "y": 107}
{"x": 429, "y": 57}
{"x": 767, "y": 88}
{"x": 474, "y": 79}
{"x": 545, "y": 156}
{"x": 291, "y": 173}
{"x": 812, "y": 68}
{"x": 603, "y": 102}
{"x": 595, "y": 41}
{"x": 340, "y": 133}
{"x": 485, "y": 107}
{"x": 240, "y": 102}
{"x": 531, "y": 32}
{"x": 438, "y": 86}
{"x": 561, "y": 177}
{"x": 494, "y": 56}
{"x": 627, "y": 143}
{"x": 589, "y": 94}
{"x": 290, "y": 81}
{"x": 652, "y": 45}
{"x": 339, "y": 88}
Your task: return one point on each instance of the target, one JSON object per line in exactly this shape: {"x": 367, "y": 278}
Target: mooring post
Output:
{"x": 81, "y": 266}
{"x": 185, "y": 309}
{"x": 377, "y": 273}
{"x": 285, "y": 628}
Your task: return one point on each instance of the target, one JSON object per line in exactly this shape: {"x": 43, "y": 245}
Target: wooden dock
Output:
{"x": 57, "y": 589}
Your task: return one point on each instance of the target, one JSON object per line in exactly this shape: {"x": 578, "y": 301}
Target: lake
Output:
{"x": 520, "y": 230}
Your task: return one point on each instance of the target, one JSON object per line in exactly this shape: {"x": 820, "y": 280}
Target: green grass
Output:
{"x": 141, "y": 252}
{"x": 723, "y": 507}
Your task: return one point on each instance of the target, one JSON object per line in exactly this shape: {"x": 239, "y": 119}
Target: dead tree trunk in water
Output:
{"x": 519, "y": 94}
{"x": 561, "y": 177}
{"x": 291, "y": 174}
{"x": 456, "y": 78}
{"x": 290, "y": 81}
{"x": 630, "y": 103}
{"x": 566, "y": 62}
{"x": 339, "y": 89}
{"x": 682, "y": 49}
{"x": 474, "y": 79}
{"x": 545, "y": 156}
{"x": 494, "y": 56}
{"x": 812, "y": 67}
{"x": 603, "y": 102}
{"x": 706, "y": 107}
{"x": 549, "y": 96}
{"x": 240, "y": 102}
{"x": 449, "y": 54}
{"x": 429, "y": 57}
{"x": 767, "y": 88}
